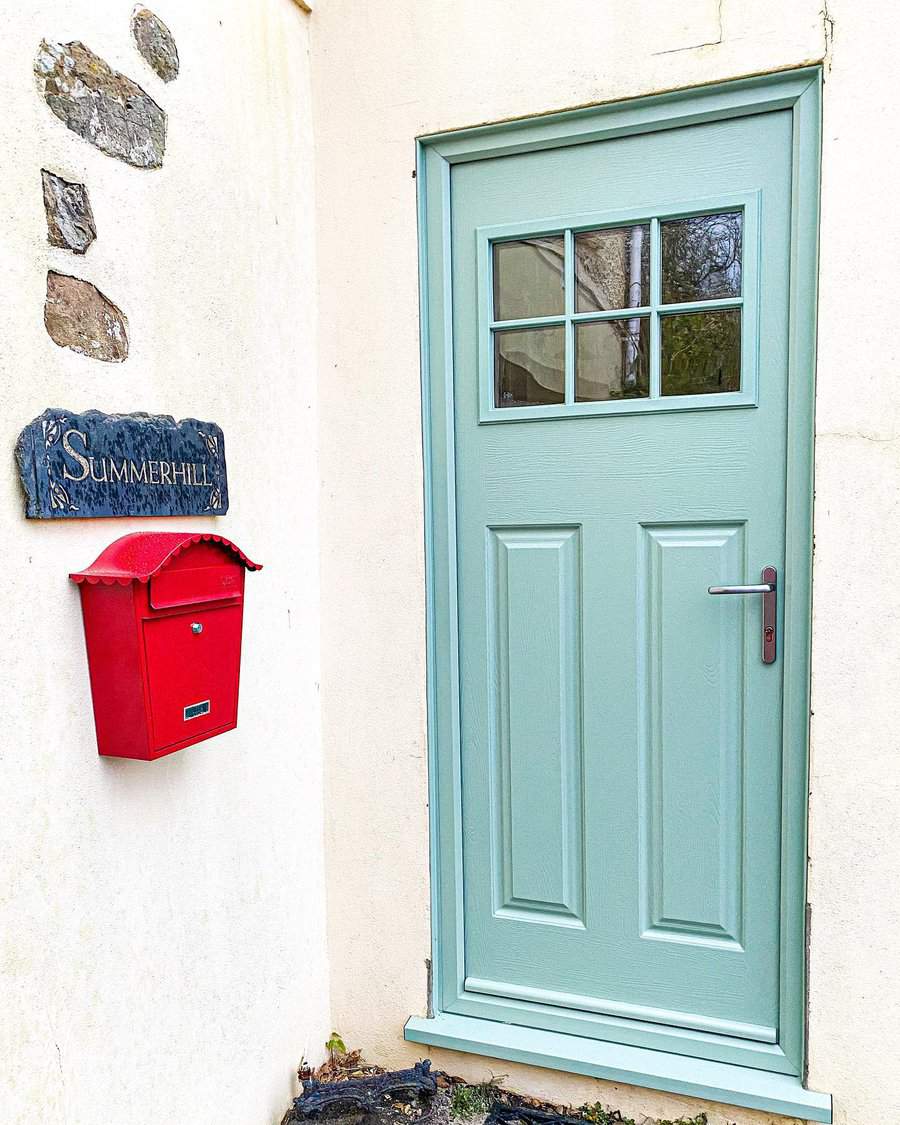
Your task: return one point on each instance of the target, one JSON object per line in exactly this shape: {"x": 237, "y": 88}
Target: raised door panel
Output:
{"x": 692, "y": 673}
{"x": 534, "y": 631}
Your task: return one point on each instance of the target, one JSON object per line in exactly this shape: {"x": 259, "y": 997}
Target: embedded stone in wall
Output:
{"x": 102, "y": 106}
{"x": 78, "y": 316}
{"x": 154, "y": 41}
{"x": 70, "y": 221}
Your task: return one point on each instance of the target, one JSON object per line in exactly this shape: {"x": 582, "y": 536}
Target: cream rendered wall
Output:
{"x": 162, "y": 942}
{"x": 383, "y": 74}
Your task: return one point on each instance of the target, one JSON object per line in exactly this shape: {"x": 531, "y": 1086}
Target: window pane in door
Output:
{"x": 529, "y": 367}
{"x": 612, "y": 268}
{"x": 528, "y": 278}
{"x": 702, "y": 257}
{"x": 701, "y": 352}
{"x": 611, "y": 359}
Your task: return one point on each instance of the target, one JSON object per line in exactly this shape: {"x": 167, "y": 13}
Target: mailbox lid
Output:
{"x": 193, "y": 669}
{"x": 142, "y": 554}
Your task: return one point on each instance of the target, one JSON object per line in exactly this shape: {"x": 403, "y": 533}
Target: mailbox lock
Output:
{"x": 196, "y": 627}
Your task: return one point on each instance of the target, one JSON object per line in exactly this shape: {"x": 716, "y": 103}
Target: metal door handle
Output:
{"x": 759, "y": 588}
{"x": 769, "y": 590}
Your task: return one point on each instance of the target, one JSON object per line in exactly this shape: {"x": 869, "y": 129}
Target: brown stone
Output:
{"x": 102, "y": 106}
{"x": 70, "y": 221}
{"x": 78, "y": 316}
{"x": 155, "y": 43}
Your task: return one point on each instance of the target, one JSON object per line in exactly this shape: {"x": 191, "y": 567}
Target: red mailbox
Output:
{"x": 163, "y": 614}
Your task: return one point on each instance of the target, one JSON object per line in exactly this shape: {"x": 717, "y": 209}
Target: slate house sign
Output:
{"x": 94, "y": 464}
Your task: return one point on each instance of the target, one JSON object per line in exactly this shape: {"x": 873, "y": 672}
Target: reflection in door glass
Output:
{"x": 612, "y": 359}
{"x": 528, "y": 278}
{"x": 701, "y": 352}
{"x": 529, "y": 367}
{"x": 612, "y": 268}
{"x": 702, "y": 257}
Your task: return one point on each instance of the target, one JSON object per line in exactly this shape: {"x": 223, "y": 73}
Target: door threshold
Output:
{"x": 616, "y": 1062}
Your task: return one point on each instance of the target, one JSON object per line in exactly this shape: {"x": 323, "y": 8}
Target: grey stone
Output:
{"x": 102, "y": 106}
{"x": 70, "y": 221}
{"x": 155, "y": 42}
{"x": 78, "y": 316}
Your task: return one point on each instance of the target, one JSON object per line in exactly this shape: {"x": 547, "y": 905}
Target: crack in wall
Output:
{"x": 706, "y": 43}
{"x": 858, "y": 435}
{"x": 59, "y": 1063}
{"x": 828, "y": 32}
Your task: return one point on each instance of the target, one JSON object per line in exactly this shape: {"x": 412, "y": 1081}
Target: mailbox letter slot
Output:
{"x": 199, "y": 584}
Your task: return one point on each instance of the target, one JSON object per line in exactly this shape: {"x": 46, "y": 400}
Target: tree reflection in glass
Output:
{"x": 701, "y": 352}
{"x": 701, "y": 257}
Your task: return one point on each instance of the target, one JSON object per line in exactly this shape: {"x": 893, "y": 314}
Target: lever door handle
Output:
{"x": 769, "y": 590}
{"x": 759, "y": 588}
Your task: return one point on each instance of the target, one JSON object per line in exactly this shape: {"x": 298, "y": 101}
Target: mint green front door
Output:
{"x": 620, "y": 732}
{"x": 617, "y": 421}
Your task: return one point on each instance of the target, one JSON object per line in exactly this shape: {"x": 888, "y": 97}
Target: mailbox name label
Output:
{"x": 94, "y": 464}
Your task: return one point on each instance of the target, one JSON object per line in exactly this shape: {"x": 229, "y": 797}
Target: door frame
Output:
{"x": 800, "y": 92}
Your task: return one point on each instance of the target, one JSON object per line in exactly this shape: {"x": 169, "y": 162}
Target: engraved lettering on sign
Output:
{"x": 102, "y": 469}
{"x": 82, "y": 461}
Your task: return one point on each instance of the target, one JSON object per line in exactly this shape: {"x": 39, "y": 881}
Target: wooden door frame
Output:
{"x": 798, "y": 91}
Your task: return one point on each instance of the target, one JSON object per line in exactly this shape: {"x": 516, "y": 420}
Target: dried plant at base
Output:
{"x": 597, "y": 1115}
{"x": 357, "y": 1092}
{"x": 514, "y": 1112}
{"x": 440, "y": 1098}
{"x": 339, "y": 1067}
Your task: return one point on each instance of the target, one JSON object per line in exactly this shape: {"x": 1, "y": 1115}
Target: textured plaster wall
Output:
{"x": 383, "y": 74}
{"x": 162, "y": 945}
{"x": 854, "y": 877}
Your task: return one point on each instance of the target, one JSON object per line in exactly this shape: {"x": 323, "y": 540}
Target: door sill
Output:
{"x": 637, "y": 1066}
